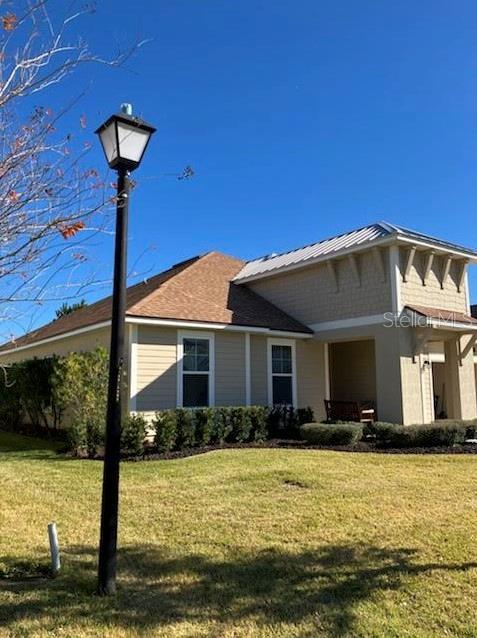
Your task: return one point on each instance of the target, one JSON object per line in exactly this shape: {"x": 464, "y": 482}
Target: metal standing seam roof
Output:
{"x": 333, "y": 246}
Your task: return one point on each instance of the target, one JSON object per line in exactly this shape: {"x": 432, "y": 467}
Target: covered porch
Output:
{"x": 444, "y": 348}
{"x": 417, "y": 370}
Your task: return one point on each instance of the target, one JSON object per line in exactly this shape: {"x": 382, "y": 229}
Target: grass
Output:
{"x": 245, "y": 543}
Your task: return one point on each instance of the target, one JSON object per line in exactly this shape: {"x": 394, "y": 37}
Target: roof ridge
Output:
{"x": 187, "y": 264}
{"x": 321, "y": 241}
{"x": 193, "y": 262}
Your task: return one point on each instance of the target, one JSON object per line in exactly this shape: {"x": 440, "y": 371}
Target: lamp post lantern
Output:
{"x": 124, "y": 139}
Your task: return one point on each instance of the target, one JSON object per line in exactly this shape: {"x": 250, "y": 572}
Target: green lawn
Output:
{"x": 246, "y": 543}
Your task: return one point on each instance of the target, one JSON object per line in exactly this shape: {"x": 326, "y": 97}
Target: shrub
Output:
{"x": 165, "y": 430}
{"x": 133, "y": 434}
{"x": 79, "y": 385}
{"x": 241, "y": 425}
{"x": 185, "y": 436}
{"x": 332, "y": 434}
{"x": 34, "y": 384}
{"x": 428, "y": 435}
{"x": 94, "y": 437}
{"x": 380, "y": 430}
{"x": 304, "y": 415}
{"x": 222, "y": 425}
{"x": 284, "y": 421}
{"x": 259, "y": 422}
{"x": 10, "y": 403}
{"x": 204, "y": 425}
{"x": 27, "y": 402}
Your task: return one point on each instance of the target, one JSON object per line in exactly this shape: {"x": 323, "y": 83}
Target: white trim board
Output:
{"x": 248, "y": 371}
{"x": 178, "y": 323}
{"x": 173, "y": 323}
{"x": 64, "y": 335}
{"x": 133, "y": 367}
{"x": 355, "y": 322}
{"x": 395, "y": 275}
{"x": 326, "y": 363}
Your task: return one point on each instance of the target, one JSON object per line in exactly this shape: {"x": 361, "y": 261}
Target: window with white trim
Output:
{"x": 195, "y": 372}
{"x": 282, "y": 374}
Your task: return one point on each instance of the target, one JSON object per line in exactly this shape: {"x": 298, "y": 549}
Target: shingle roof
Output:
{"x": 440, "y": 314}
{"x": 199, "y": 289}
{"x": 355, "y": 239}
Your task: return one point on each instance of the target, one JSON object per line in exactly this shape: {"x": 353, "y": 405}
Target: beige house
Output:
{"x": 378, "y": 314}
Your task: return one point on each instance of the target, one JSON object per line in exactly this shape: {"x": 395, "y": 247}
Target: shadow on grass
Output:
{"x": 271, "y": 587}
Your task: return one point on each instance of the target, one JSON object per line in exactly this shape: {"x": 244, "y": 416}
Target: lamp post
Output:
{"x": 124, "y": 139}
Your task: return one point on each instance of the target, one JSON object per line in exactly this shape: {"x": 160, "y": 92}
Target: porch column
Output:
{"x": 460, "y": 379}
{"x": 400, "y": 377}
{"x": 388, "y": 375}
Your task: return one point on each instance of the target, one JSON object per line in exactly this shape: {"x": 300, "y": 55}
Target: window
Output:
{"x": 281, "y": 372}
{"x": 195, "y": 368}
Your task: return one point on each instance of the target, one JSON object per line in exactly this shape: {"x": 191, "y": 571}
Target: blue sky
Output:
{"x": 302, "y": 119}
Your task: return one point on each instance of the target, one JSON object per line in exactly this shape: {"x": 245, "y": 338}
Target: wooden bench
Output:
{"x": 356, "y": 411}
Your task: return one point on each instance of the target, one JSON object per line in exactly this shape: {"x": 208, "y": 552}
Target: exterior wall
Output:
{"x": 229, "y": 368}
{"x": 156, "y": 369}
{"x": 61, "y": 347}
{"x": 460, "y": 380}
{"x": 414, "y": 292}
{"x": 310, "y": 363}
{"x": 310, "y": 294}
{"x": 258, "y": 370}
{"x": 392, "y": 387}
{"x": 353, "y": 371}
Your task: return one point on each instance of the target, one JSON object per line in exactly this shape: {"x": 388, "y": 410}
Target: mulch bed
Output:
{"x": 361, "y": 447}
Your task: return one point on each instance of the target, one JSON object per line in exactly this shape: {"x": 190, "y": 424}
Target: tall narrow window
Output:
{"x": 195, "y": 372}
{"x": 282, "y": 374}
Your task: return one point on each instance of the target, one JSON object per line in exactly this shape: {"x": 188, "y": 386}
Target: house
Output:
{"x": 377, "y": 314}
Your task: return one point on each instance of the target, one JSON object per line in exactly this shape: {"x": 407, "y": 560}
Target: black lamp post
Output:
{"x": 124, "y": 139}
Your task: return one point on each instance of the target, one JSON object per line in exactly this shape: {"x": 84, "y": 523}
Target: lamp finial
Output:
{"x": 126, "y": 108}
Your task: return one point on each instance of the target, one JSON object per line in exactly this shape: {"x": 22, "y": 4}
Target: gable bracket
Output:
{"x": 461, "y": 281}
{"x": 445, "y": 271}
{"x": 429, "y": 261}
{"x": 470, "y": 344}
{"x": 409, "y": 262}
{"x": 419, "y": 341}
{"x": 353, "y": 262}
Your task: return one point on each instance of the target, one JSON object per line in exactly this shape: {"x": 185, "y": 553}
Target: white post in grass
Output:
{"x": 54, "y": 548}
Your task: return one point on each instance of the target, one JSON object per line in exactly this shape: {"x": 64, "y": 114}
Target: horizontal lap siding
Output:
{"x": 310, "y": 375}
{"x": 258, "y": 369}
{"x": 229, "y": 368}
{"x": 61, "y": 347}
{"x": 156, "y": 368}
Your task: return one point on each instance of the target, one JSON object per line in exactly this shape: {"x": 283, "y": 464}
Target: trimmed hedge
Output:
{"x": 184, "y": 428}
{"x": 332, "y": 434}
{"x": 425, "y": 435}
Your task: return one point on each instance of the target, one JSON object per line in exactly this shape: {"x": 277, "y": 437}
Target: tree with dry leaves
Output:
{"x": 51, "y": 200}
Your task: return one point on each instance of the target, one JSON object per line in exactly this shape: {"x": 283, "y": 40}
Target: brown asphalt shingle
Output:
{"x": 443, "y": 315}
{"x": 199, "y": 289}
